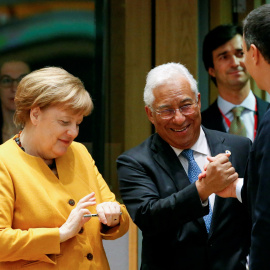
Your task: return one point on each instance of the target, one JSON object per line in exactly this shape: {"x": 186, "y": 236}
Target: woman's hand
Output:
{"x": 109, "y": 213}
{"x": 76, "y": 220}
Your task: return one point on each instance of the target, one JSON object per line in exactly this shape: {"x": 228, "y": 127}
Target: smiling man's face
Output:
{"x": 180, "y": 131}
{"x": 229, "y": 69}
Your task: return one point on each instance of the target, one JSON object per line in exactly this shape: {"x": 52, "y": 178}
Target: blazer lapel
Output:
{"x": 216, "y": 122}
{"x": 262, "y": 107}
{"x": 167, "y": 159}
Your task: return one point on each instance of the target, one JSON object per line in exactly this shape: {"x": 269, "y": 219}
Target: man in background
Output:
{"x": 236, "y": 110}
{"x": 11, "y": 73}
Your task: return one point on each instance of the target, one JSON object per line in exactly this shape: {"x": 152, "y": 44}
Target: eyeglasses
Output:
{"x": 7, "y": 81}
{"x": 186, "y": 109}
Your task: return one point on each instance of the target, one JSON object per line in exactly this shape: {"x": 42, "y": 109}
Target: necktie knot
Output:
{"x": 237, "y": 125}
{"x": 237, "y": 111}
{"x": 193, "y": 168}
{"x": 188, "y": 154}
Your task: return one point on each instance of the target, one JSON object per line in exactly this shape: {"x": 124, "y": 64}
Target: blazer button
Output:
{"x": 71, "y": 202}
{"x": 89, "y": 256}
{"x": 81, "y": 230}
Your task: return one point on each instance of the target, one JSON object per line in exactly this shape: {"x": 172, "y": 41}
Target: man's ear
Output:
{"x": 34, "y": 115}
{"x": 199, "y": 100}
{"x": 255, "y": 54}
{"x": 149, "y": 114}
{"x": 211, "y": 72}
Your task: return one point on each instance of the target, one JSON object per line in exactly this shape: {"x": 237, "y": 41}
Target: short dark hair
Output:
{"x": 215, "y": 38}
{"x": 257, "y": 30}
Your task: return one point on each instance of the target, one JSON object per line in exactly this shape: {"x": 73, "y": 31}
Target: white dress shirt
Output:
{"x": 201, "y": 151}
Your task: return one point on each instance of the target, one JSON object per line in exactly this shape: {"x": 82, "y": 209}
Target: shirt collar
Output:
{"x": 199, "y": 146}
{"x": 248, "y": 103}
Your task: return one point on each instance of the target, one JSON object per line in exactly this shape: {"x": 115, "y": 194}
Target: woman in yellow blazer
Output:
{"x": 48, "y": 183}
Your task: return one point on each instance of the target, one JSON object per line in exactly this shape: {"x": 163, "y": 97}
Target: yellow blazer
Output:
{"x": 34, "y": 203}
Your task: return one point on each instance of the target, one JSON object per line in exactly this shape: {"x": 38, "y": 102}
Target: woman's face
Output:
{"x": 55, "y": 129}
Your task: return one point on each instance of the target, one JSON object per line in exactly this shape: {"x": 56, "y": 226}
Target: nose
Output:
{"x": 235, "y": 60}
{"x": 178, "y": 117}
{"x": 14, "y": 87}
{"x": 73, "y": 131}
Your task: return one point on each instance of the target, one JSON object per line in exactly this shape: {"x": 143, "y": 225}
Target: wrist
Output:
{"x": 63, "y": 235}
{"x": 202, "y": 190}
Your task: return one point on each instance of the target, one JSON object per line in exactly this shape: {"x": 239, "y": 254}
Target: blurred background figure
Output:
{"x": 236, "y": 110}
{"x": 11, "y": 73}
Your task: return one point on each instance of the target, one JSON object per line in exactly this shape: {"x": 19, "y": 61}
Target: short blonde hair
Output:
{"x": 50, "y": 86}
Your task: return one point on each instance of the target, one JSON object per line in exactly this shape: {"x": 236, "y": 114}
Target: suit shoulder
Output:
{"x": 228, "y": 136}
{"x": 209, "y": 111}
{"x": 140, "y": 149}
{"x": 212, "y": 118}
{"x": 262, "y": 103}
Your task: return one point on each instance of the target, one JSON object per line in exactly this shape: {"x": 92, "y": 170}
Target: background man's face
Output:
{"x": 229, "y": 68}
{"x": 8, "y": 87}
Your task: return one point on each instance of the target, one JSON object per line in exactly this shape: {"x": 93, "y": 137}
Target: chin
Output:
{"x": 59, "y": 152}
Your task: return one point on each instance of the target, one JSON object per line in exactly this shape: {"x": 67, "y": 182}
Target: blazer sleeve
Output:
{"x": 108, "y": 196}
{"x": 150, "y": 211}
{"x": 16, "y": 244}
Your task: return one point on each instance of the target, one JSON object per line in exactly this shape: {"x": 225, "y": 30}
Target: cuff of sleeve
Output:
{"x": 239, "y": 186}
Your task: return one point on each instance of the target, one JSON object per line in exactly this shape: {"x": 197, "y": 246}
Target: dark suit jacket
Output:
{"x": 257, "y": 196}
{"x": 213, "y": 119}
{"x": 168, "y": 210}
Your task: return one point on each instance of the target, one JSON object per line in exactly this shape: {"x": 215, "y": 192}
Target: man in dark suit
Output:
{"x": 159, "y": 184}
{"x": 224, "y": 61}
{"x": 257, "y": 179}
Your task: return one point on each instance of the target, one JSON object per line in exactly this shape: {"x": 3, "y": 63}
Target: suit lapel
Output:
{"x": 216, "y": 122}
{"x": 262, "y": 107}
{"x": 167, "y": 159}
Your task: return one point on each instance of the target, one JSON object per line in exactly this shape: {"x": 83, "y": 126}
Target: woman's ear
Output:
{"x": 34, "y": 115}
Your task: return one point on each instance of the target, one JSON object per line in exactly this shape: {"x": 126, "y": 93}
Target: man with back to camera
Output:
{"x": 255, "y": 192}
{"x": 11, "y": 73}
{"x": 224, "y": 60}
{"x": 184, "y": 225}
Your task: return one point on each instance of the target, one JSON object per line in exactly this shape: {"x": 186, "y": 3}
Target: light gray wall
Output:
{"x": 117, "y": 252}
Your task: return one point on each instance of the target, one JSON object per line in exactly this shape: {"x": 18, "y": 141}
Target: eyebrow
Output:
{"x": 222, "y": 53}
{"x": 241, "y": 49}
{"x": 225, "y": 52}
{"x": 182, "y": 102}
